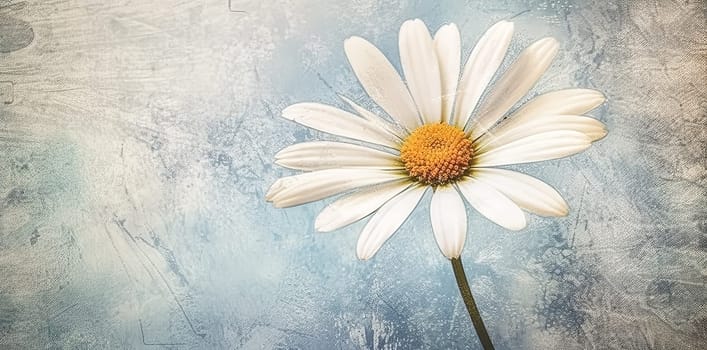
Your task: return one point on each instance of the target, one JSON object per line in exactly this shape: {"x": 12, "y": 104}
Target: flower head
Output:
{"x": 439, "y": 134}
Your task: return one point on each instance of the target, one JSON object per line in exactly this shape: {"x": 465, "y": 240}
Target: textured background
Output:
{"x": 136, "y": 142}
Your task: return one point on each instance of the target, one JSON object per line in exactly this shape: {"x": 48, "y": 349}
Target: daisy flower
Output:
{"x": 447, "y": 131}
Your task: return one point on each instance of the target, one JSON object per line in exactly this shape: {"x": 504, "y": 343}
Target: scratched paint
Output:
{"x": 15, "y": 34}
{"x": 136, "y": 143}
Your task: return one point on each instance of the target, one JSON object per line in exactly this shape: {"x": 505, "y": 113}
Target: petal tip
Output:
{"x": 416, "y": 22}
{"x": 600, "y": 135}
{"x": 320, "y": 225}
{"x": 407, "y": 23}
{"x": 598, "y": 98}
{"x": 563, "y": 209}
{"x": 290, "y": 112}
{"x": 549, "y": 40}
{"x": 507, "y": 26}
{"x": 547, "y": 46}
{"x": 363, "y": 256}
{"x": 445, "y": 30}
{"x": 448, "y": 26}
{"x": 351, "y": 42}
{"x": 519, "y": 225}
{"x": 323, "y": 229}
{"x": 455, "y": 254}
{"x": 271, "y": 192}
{"x": 352, "y": 39}
{"x": 517, "y": 228}
{"x": 600, "y": 95}
{"x": 554, "y": 45}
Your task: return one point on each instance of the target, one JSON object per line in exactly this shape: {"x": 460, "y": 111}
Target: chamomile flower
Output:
{"x": 440, "y": 136}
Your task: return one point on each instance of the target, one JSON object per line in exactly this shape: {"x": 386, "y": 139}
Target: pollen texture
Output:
{"x": 436, "y": 154}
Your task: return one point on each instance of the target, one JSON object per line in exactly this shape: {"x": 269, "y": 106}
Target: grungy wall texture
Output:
{"x": 136, "y": 143}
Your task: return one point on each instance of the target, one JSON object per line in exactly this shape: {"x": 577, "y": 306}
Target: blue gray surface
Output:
{"x": 136, "y": 143}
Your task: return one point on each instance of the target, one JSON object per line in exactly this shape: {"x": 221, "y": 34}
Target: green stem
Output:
{"x": 470, "y": 304}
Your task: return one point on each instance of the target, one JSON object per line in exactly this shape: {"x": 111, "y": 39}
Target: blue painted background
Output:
{"x": 136, "y": 144}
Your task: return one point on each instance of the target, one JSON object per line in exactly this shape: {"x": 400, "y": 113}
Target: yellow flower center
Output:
{"x": 436, "y": 154}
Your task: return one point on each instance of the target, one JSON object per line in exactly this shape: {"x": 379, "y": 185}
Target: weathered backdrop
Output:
{"x": 136, "y": 142}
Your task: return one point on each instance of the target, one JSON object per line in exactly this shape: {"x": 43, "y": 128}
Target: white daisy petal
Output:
{"x": 510, "y": 131}
{"x": 447, "y": 44}
{"x": 353, "y": 207}
{"x": 448, "y": 216}
{"x": 492, "y": 204}
{"x": 304, "y": 188}
{"x": 377, "y": 120}
{"x": 514, "y": 84}
{"x": 534, "y": 148}
{"x": 480, "y": 68}
{"x": 567, "y": 101}
{"x": 338, "y": 122}
{"x": 326, "y": 155}
{"x": 526, "y": 191}
{"x": 381, "y": 81}
{"x": 419, "y": 62}
{"x": 387, "y": 220}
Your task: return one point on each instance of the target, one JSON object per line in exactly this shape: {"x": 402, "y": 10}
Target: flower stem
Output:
{"x": 470, "y": 304}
